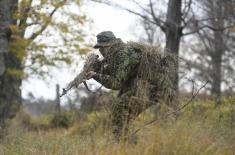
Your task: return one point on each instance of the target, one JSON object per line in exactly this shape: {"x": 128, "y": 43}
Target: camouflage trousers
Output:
{"x": 126, "y": 108}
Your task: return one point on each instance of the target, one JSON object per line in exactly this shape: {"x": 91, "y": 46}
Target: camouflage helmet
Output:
{"x": 105, "y": 38}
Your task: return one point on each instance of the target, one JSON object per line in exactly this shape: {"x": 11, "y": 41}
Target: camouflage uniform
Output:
{"x": 120, "y": 70}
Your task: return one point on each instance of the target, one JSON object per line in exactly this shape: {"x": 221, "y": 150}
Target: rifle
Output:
{"x": 81, "y": 77}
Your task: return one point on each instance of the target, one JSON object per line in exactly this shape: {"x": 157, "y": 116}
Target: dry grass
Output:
{"x": 201, "y": 130}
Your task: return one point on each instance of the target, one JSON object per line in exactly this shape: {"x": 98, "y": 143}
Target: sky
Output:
{"x": 109, "y": 18}
{"x": 103, "y": 18}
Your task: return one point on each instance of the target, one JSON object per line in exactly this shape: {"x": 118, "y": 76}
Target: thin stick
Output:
{"x": 173, "y": 112}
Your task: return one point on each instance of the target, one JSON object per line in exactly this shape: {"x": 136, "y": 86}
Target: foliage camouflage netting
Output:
{"x": 157, "y": 68}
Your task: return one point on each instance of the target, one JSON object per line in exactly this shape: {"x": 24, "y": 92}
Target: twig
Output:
{"x": 209, "y": 27}
{"x": 173, "y": 112}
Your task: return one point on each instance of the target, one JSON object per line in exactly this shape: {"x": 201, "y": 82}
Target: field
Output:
{"x": 202, "y": 128}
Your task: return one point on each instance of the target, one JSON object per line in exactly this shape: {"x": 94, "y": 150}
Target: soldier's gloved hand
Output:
{"x": 90, "y": 75}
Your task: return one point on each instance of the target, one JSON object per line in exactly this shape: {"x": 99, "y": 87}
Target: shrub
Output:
{"x": 36, "y": 123}
{"x": 64, "y": 120}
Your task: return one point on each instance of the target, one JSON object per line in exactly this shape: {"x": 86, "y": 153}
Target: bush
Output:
{"x": 98, "y": 122}
{"x": 63, "y": 120}
{"x": 59, "y": 120}
{"x": 32, "y": 123}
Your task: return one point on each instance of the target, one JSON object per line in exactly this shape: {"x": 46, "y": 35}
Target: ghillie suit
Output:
{"x": 142, "y": 74}
{"x": 155, "y": 74}
{"x": 152, "y": 84}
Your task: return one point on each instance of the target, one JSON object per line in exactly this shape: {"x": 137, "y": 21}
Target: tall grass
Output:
{"x": 201, "y": 129}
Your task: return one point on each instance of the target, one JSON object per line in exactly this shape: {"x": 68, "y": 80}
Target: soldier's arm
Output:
{"x": 126, "y": 62}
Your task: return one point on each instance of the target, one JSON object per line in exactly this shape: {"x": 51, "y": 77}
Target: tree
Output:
{"x": 6, "y": 108}
{"x": 45, "y": 33}
{"x": 214, "y": 48}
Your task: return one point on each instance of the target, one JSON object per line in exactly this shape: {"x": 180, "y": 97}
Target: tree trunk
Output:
{"x": 10, "y": 93}
{"x": 217, "y": 53}
{"x": 216, "y": 69}
{"x": 173, "y": 32}
{"x": 58, "y": 108}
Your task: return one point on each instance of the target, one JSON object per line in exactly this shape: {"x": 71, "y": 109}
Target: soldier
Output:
{"x": 120, "y": 70}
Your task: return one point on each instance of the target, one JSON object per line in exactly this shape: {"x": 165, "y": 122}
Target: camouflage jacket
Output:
{"x": 141, "y": 71}
{"x": 118, "y": 69}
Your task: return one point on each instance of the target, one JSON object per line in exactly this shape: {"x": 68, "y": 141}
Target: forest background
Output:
{"x": 45, "y": 42}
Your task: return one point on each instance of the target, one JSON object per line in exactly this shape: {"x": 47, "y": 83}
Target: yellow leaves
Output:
{"x": 15, "y": 29}
{"x": 41, "y": 46}
{"x": 78, "y": 2}
{"x": 15, "y": 72}
{"x": 18, "y": 15}
{"x": 64, "y": 59}
{"x": 45, "y": 18}
{"x": 84, "y": 50}
{"x": 80, "y": 19}
{"x": 50, "y": 26}
{"x": 18, "y": 47}
{"x": 63, "y": 27}
{"x": 25, "y": 3}
{"x": 17, "y": 32}
{"x": 59, "y": 4}
{"x": 44, "y": 2}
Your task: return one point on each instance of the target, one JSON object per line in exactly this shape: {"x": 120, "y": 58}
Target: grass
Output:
{"x": 202, "y": 129}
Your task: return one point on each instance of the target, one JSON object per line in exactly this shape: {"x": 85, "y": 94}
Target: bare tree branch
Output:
{"x": 140, "y": 6}
{"x": 202, "y": 38}
{"x": 206, "y": 74}
{"x": 186, "y": 11}
{"x": 158, "y": 21}
{"x": 155, "y": 21}
{"x": 213, "y": 18}
{"x": 209, "y": 27}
